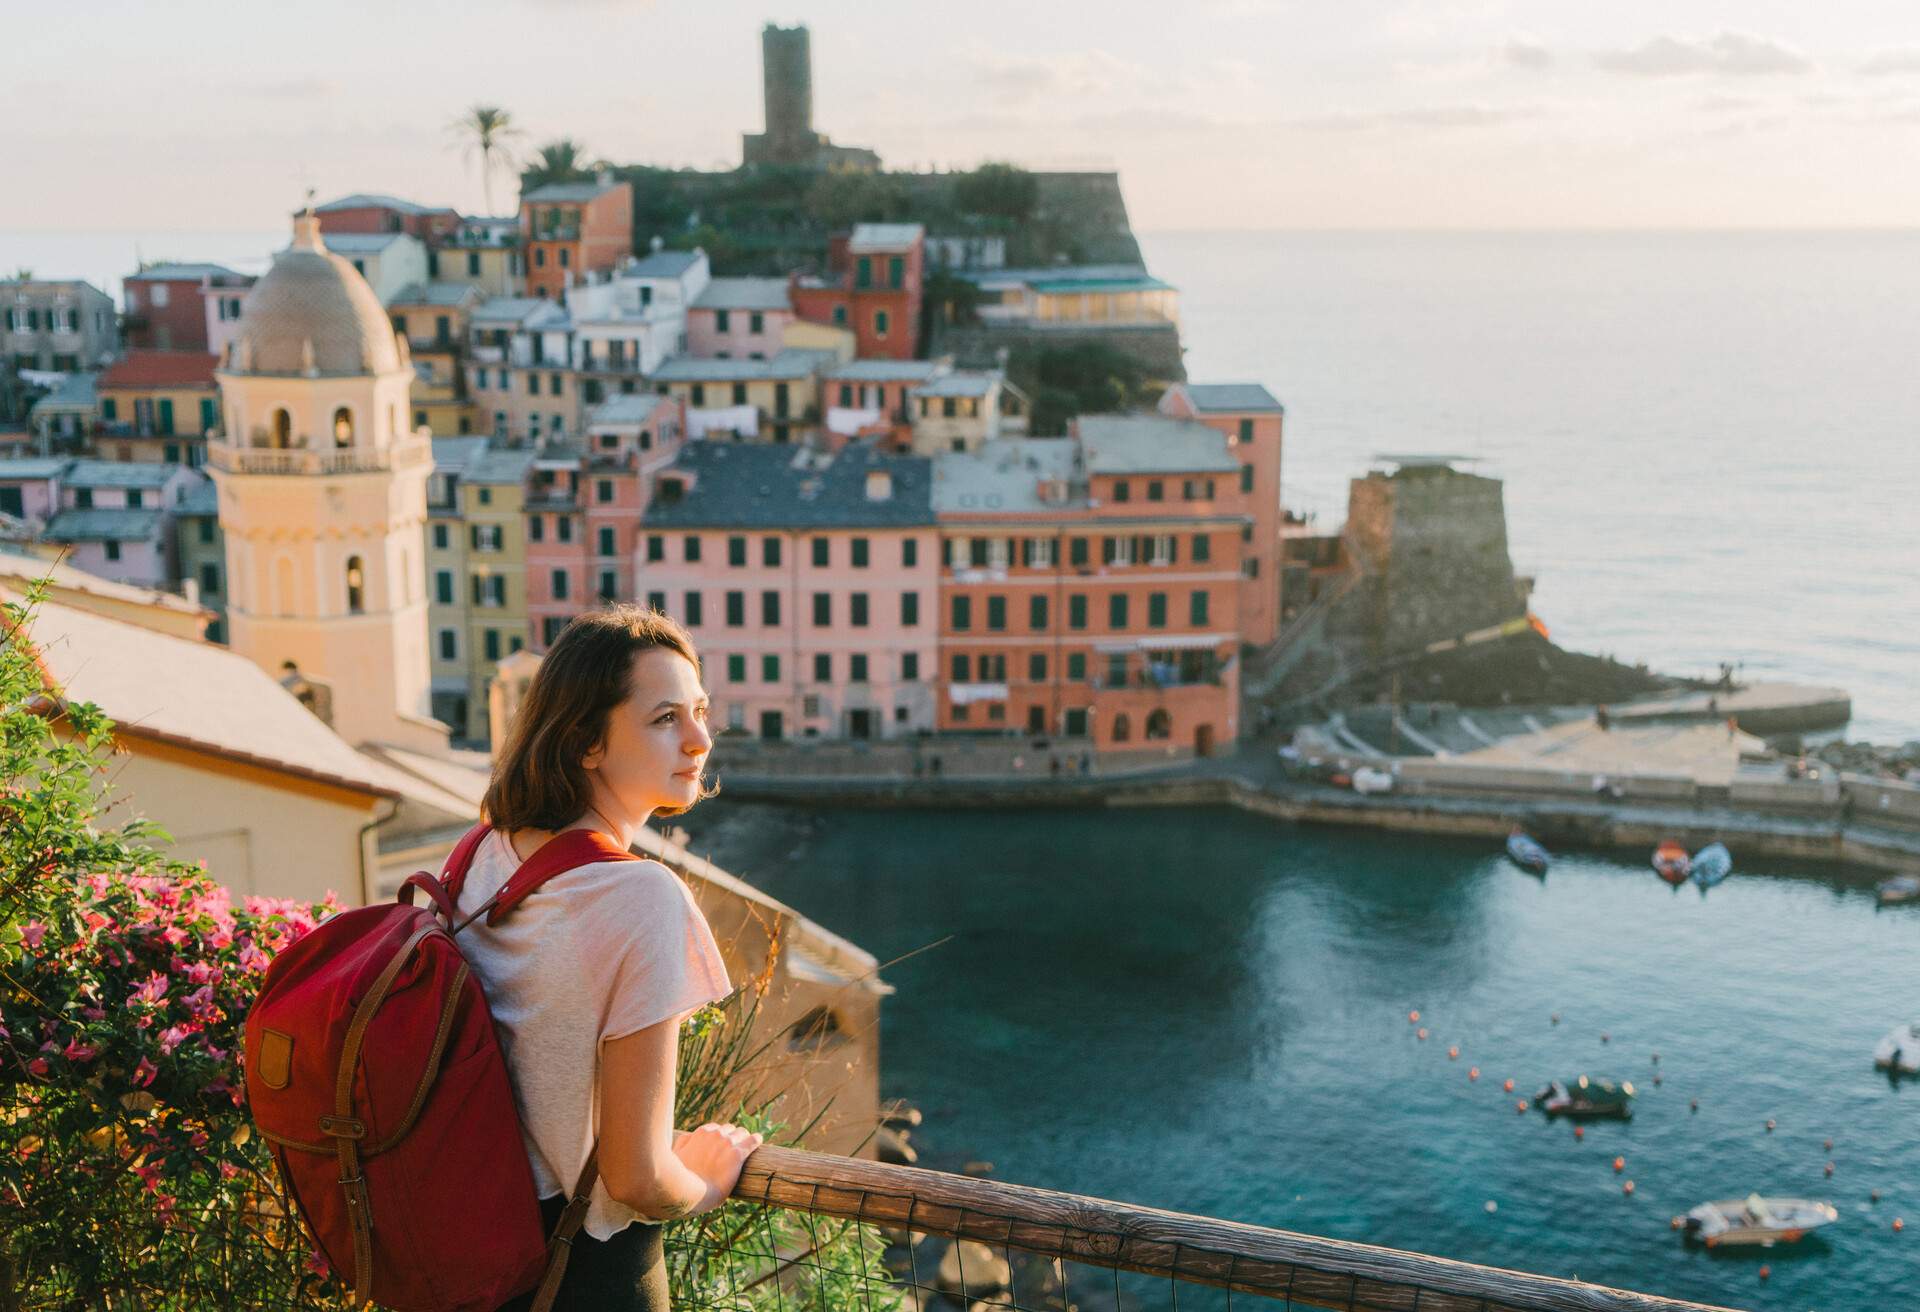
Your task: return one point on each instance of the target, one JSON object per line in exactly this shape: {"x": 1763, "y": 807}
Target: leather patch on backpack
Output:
{"x": 276, "y": 1059}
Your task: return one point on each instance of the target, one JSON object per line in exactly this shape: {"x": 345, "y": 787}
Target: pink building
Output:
{"x": 739, "y": 319}
{"x": 809, "y": 581}
{"x": 584, "y": 506}
{"x": 30, "y": 488}
{"x": 118, "y": 518}
{"x": 1251, "y": 419}
{"x": 168, "y": 305}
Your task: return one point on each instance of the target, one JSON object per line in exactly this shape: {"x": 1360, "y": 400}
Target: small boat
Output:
{"x": 1711, "y": 864}
{"x": 1587, "y": 1097}
{"x": 1899, "y": 1052}
{"x": 1670, "y": 862}
{"x": 1526, "y": 853}
{"x": 1901, "y": 888}
{"x": 1757, "y": 1220}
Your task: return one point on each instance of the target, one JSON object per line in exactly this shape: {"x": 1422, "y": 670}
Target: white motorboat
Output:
{"x": 1757, "y": 1220}
{"x": 1900, "y": 1050}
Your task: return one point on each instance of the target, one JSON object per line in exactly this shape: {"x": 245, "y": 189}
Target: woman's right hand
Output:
{"x": 716, "y": 1153}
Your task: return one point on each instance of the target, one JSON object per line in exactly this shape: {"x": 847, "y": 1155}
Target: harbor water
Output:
{"x": 1205, "y": 1011}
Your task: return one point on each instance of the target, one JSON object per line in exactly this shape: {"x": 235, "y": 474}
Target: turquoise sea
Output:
{"x": 1208, "y": 1012}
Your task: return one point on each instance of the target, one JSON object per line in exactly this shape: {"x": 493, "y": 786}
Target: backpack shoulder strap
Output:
{"x": 454, "y": 873}
{"x": 565, "y": 851}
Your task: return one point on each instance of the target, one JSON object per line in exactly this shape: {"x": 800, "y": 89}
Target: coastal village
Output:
{"x": 305, "y": 536}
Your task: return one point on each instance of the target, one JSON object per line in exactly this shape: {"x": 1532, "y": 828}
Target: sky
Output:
{"x": 187, "y": 116}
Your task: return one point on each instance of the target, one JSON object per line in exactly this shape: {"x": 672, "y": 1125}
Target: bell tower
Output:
{"x": 323, "y": 498}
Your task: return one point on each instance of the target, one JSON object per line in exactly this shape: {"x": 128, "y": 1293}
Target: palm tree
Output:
{"x": 558, "y": 161}
{"x": 489, "y": 130}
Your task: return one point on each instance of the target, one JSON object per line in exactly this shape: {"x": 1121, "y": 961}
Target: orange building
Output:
{"x": 573, "y": 230}
{"x": 1090, "y": 587}
{"x": 1251, "y": 419}
{"x": 874, "y": 286}
{"x": 158, "y": 405}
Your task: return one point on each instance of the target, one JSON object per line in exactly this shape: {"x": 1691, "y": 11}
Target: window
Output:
{"x": 1077, "y": 551}
{"x": 1157, "y": 610}
{"x": 491, "y": 643}
{"x": 909, "y": 552}
{"x": 1036, "y": 552}
{"x": 962, "y": 613}
{"x": 857, "y": 668}
{"x": 551, "y": 628}
{"x": 1116, "y": 551}
{"x": 602, "y": 487}
{"x": 1037, "y": 667}
{"x": 1159, "y": 725}
{"x": 83, "y": 498}
{"x": 977, "y": 550}
{"x": 722, "y": 321}
{"x": 1156, "y": 490}
{"x": 960, "y": 714}
{"x": 739, "y": 393}
{"x": 880, "y": 322}
{"x": 822, "y": 610}
{"x": 1077, "y": 666}
{"x": 1117, "y": 610}
{"x": 566, "y": 257}
{"x": 857, "y": 603}
{"x": 449, "y": 644}
{"x": 656, "y": 547}
{"x": 770, "y": 552}
{"x": 1037, "y": 611}
{"x": 1160, "y": 549}
{"x": 736, "y": 550}
{"x": 1246, "y": 430}
{"x": 1077, "y": 611}
{"x": 690, "y": 548}
{"x": 821, "y": 552}
{"x": 863, "y": 272}
{"x": 443, "y": 587}
{"x": 565, "y": 524}
{"x": 486, "y": 496}
{"x": 1121, "y": 490}
{"x": 997, "y": 613}
{"x": 736, "y": 669}
{"x": 1202, "y": 548}
{"x": 609, "y": 584}
{"x": 1246, "y": 478}
{"x": 736, "y": 609}
{"x": 134, "y": 498}
{"x": 1122, "y": 728}
{"x": 756, "y": 323}
{"x": 356, "y": 586}
{"x": 822, "y": 669}
{"x": 533, "y": 383}
{"x": 699, "y": 394}
{"x": 840, "y": 316}
{"x": 560, "y": 578}
{"x": 209, "y": 579}
{"x": 1197, "y": 608}
{"x": 536, "y": 528}
{"x": 657, "y": 601}
{"x": 859, "y": 553}
{"x": 909, "y": 609}
{"x": 1117, "y": 669}
{"x": 770, "y": 609}
{"x": 962, "y": 668}
{"x": 1253, "y": 567}
{"x": 608, "y": 541}
{"x": 690, "y": 612}
{"x": 206, "y": 525}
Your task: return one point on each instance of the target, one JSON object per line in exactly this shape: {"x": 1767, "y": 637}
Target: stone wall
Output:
{"x": 975, "y": 346}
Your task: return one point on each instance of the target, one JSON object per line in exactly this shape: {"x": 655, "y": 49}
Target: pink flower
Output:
{"x": 171, "y": 1038}
{"x": 94, "y": 1013}
{"x": 38, "y": 1066}
{"x": 80, "y": 1053}
{"x": 253, "y": 960}
{"x": 143, "y": 1073}
{"x": 217, "y": 1054}
{"x": 32, "y": 933}
{"x": 150, "y": 990}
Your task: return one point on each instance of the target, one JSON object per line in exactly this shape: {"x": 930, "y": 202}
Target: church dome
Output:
{"x": 313, "y": 314}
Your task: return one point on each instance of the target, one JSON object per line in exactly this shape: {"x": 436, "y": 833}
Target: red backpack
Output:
{"x": 374, "y": 1074}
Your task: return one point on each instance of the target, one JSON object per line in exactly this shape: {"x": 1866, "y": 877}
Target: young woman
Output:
{"x": 590, "y": 978}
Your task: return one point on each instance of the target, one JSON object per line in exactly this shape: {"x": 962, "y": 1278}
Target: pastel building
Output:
{"x": 492, "y": 504}
{"x": 483, "y": 253}
{"x": 1074, "y": 296}
{"x": 572, "y": 230}
{"x": 30, "y": 488}
{"x": 524, "y": 386}
{"x": 371, "y": 214}
{"x": 391, "y": 262}
{"x": 220, "y": 304}
{"x": 874, "y": 285}
{"x": 739, "y": 318}
{"x": 871, "y": 397}
{"x": 625, "y": 326}
{"x": 772, "y": 400}
{"x": 809, "y": 581}
{"x": 158, "y": 405}
{"x": 56, "y": 326}
{"x": 168, "y": 305}
{"x": 436, "y": 319}
{"x": 1090, "y": 587}
{"x": 449, "y": 611}
{"x": 1251, "y": 420}
{"x": 117, "y": 518}
{"x": 201, "y": 554}
{"x": 65, "y": 417}
{"x": 585, "y": 503}
{"x": 963, "y": 409}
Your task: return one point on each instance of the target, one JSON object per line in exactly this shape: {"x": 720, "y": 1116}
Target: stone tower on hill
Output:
{"x": 323, "y": 499}
{"x": 786, "y": 65}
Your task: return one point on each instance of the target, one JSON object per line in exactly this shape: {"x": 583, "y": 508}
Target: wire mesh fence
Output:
{"x": 809, "y": 1232}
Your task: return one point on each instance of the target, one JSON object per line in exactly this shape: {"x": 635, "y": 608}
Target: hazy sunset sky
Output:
{"x": 1219, "y": 113}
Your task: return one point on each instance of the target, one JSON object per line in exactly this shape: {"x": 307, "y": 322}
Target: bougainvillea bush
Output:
{"x": 128, "y": 1173}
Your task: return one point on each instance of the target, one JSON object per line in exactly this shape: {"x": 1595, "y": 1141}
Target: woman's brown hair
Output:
{"x": 538, "y": 781}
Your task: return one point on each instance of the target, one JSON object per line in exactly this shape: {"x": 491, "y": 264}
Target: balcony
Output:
{"x": 414, "y": 453}
{"x": 558, "y": 232}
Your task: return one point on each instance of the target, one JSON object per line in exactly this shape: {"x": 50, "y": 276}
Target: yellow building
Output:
{"x": 775, "y": 400}
{"x": 483, "y": 253}
{"x": 448, "y": 607}
{"x": 158, "y": 405}
{"x": 323, "y": 497}
{"x": 492, "y": 499}
{"x": 435, "y": 317}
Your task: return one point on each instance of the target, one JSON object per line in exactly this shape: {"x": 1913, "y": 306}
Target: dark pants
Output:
{"x": 626, "y": 1273}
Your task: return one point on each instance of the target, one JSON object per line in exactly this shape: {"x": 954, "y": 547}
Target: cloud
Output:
{"x": 1905, "y": 60}
{"x": 1431, "y": 116}
{"x": 1522, "y": 53}
{"x": 1733, "y": 53}
{"x": 1084, "y": 73}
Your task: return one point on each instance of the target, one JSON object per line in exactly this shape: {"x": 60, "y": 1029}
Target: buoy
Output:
{"x": 1619, "y": 1164}
{"x": 1520, "y": 1106}
{"x": 1769, "y": 1125}
{"x": 1508, "y": 1086}
{"x": 1828, "y": 1145}
{"x": 1605, "y": 1037}
{"x": 1453, "y": 1053}
{"x": 1627, "y": 1188}
{"x": 1473, "y": 1072}
{"x": 1555, "y": 1018}
{"x": 1676, "y": 1222}
{"x": 1656, "y": 1081}
{"x": 1421, "y": 1034}
{"x": 1693, "y": 1105}
{"x": 1656, "y": 1059}
{"x": 1829, "y": 1168}
{"x": 1874, "y": 1196}
{"x": 1898, "y": 1225}
{"x": 1413, "y": 1018}
{"x": 1492, "y": 1207}
{"x": 1579, "y": 1133}
{"x": 1765, "y": 1271}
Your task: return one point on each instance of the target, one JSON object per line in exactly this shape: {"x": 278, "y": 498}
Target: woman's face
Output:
{"x": 657, "y": 739}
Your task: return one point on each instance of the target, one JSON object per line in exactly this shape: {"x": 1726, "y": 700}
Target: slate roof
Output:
{"x": 886, "y": 371}
{"x": 508, "y": 309}
{"x": 13, "y": 471}
{"x": 182, "y": 273}
{"x": 437, "y": 293}
{"x": 627, "y": 408}
{"x": 1005, "y": 476}
{"x": 359, "y": 243}
{"x": 105, "y": 524}
{"x": 161, "y": 369}
{"x": 363, "y": 200}
{"x": 200, "y": 499}
{"x": 454, "y": 454}
{"x": 120, "y": 473}
{"x": 500, "y": 465}
{"x": 76, "y": 391}
{"x": 661, "y": 264}
{"x": 775, "y": 485}
{"x": 1153, "y": 444}
{"x": 961, "y": 382}
{"x": 1232, "y": 398}
{"x": 744, "y": 294}
{"x": 884, "y": 236}
{"x": 795, "y": 363}
{"x": 570, "y": 191}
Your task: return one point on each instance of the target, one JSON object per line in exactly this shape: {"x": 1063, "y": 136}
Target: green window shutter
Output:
{"x": 166, "y": 414}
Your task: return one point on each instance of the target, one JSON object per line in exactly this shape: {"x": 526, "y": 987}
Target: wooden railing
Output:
{"x": 1301, "y": 1270}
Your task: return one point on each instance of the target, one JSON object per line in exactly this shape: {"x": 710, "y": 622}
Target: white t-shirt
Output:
{"x": 597, "y": 953}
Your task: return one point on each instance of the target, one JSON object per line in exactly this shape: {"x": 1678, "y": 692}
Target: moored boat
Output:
{"x": 1900, "y": 1050}
{"x": 1901, "y": 888}
{"x": 1711, "y": 864}
{"x": 1670, "y": 862}
{"x": 1526, "y": 853}
{"x": 1757, "y": 1220}
{"x": 1586, "y": 1096}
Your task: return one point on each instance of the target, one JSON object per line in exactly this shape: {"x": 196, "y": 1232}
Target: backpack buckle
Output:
{"x": 343, "y": 1127}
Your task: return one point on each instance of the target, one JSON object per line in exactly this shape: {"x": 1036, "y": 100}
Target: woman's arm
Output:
{"x": 661, "y": 1175}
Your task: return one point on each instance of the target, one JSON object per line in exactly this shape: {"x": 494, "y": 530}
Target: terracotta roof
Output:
{"x": 160, "y": 369}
